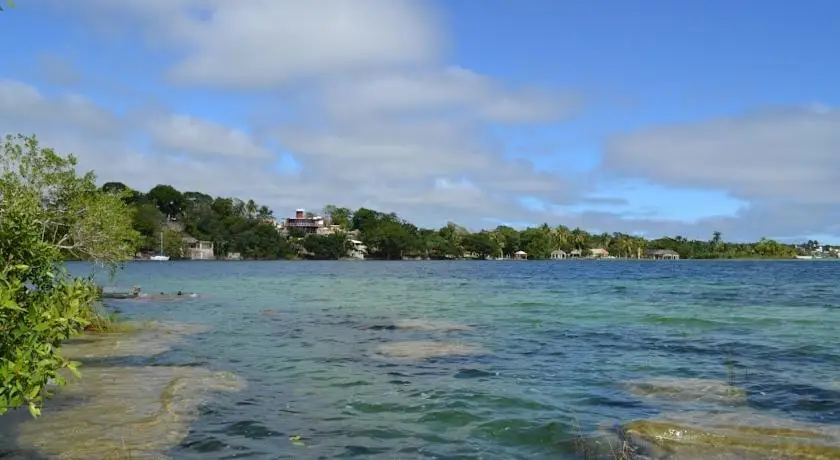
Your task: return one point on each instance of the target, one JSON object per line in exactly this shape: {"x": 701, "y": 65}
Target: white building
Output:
{"x": 357, "y": 250}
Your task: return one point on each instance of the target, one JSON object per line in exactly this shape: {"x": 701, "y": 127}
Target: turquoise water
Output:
{"x": 553, "y": 341}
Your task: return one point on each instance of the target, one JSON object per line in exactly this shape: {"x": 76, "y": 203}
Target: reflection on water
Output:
{"x": 684, "y": 360}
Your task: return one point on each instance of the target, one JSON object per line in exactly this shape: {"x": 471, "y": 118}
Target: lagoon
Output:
{"x": 491, "y": 360}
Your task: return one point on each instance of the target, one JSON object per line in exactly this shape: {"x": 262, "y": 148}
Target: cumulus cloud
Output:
{"x": 265, "y": 43}
{"x": 427, "y": 172}
{"x": 387, "y": 121}
{"x": 777, "y": 155}
{"x": 22, "y": 106}
{"x": 452, "y": 91}
{"x": 782, "y": 162}
{"x": 184, "y": 133}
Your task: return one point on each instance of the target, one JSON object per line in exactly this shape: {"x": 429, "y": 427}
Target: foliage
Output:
{"x": 232, "y": 225}
{"x": 245, "y": 227}
{"x": 327, "y": 247}
{"x": 48, "y": 212}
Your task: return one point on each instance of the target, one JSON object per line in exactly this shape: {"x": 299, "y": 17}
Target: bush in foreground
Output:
{"x": 48, "y": 213}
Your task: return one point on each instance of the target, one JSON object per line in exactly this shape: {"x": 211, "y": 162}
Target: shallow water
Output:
{"x": 491, "y": 360}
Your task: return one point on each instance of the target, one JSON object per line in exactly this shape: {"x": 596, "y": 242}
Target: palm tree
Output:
{"x": 561, "y": 236}
{"x": 251, "y": 208}
{"x": 605, "y": 239}
{"x": 578, "y": 238}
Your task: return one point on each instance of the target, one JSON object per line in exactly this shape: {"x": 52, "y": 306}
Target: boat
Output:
{"x": 160, "y": 257}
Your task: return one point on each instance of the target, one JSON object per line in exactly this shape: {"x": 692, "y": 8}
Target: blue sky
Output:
{"x": 649, "y": 116}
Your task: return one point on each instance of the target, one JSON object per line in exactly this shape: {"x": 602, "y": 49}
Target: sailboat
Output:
{"x": 161, "y": 256}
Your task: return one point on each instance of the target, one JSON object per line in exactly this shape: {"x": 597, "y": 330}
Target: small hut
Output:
{"x": 520, "y": 255}
{"x": 597, "y": 253}
{"x": 663, "y": 254}
{"x": 558, "y": 254}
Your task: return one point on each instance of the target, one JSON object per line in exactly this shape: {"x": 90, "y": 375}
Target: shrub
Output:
{"x": 48, "y": 213}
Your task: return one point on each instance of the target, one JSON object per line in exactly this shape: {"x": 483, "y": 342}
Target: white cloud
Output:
{"x": 789, "y": 155}
{"x": 188, "y": 134}
{"x": 266, "y": 43}
{"x": 453, "y": 91}
{"x": 22, "y": 106}
{"x": 401, "y": 170}
{"x": 784, "y": 163}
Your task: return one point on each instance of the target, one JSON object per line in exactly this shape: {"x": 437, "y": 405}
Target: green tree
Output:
{"x": 147, "y": 221}
{"x": 327, "y": 247}
{"x": 482, "y": 244}
{"x": 169, "y": 200}
{"x": 717, "y": 241}
{"x": 538, "y": 242}
{"x": 453, "y": 236}
{"x": 338, "y": 216}
{"x": 509, "y": 239}
{"x": 114, "y": 187}
{"x": 47, "y": 211}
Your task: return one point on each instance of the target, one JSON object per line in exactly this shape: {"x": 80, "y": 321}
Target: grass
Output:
{"x": 101, "y": 323}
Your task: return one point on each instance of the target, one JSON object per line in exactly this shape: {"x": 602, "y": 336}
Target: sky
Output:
{"x": 650, "y": 117}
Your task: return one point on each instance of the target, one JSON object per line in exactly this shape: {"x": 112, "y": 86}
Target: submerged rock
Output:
{"x": 123, "y": 412}
{"x": 738, "y": 435}
{"x": 426, "y": 325}
{"x": 688, "y": 390}
{"x": 148, "y": 339}
{"x": 165, "y": 297}
{"x": 420, "y": 325}
{"x": 421, "y": 349}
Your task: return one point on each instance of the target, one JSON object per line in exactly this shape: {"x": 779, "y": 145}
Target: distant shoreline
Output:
{"x": 757, "y": 259}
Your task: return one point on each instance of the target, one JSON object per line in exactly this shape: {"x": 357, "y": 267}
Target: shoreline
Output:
{"x": 739, "y": 259}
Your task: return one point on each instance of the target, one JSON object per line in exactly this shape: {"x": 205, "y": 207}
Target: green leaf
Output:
{"x": 72, "y": 366}
{"x": 34, "y": 410}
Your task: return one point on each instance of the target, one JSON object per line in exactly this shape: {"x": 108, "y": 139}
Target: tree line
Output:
{"x": 250, "y": 229}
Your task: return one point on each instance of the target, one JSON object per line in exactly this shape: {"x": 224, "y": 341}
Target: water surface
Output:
{"x": 542, "y": 350}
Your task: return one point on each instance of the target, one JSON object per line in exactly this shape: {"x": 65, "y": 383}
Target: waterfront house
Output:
{"x": 198, "y": 250}
{"x": 663, "y": 254}
{"x": 303, "y": 223}
{"x": 520, "y": 255}
{"x": 357, "y": 250}
{"x": 597, "y": 253}
{"x": 559, "y": 254}
{"x": 575, "y": 253}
